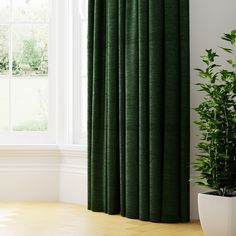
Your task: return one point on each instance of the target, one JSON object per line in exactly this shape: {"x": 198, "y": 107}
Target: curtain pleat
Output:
{"x": 112, "y": 108}
{"x": 184, "y": 106}
{"x": 156, "y": 106}
{"x": 132, "y": 110}
{"x": 138, "y": 109}
{"x": 171, "y": 173}
{"x": 143, "y": 64}
{"x": 121, "y": 72}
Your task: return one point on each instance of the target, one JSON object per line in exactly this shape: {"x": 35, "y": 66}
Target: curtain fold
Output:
{"x": 138, "y": 109}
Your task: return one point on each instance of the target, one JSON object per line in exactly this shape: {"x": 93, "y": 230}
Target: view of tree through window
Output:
{"x": 24, "y": 26}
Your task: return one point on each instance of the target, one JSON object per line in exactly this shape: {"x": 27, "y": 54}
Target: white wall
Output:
{"x": 43, "y": 173}
{"x": 209, "y": 19}
{"x": 73, "y": 176}
{"x": 29, "y": 173}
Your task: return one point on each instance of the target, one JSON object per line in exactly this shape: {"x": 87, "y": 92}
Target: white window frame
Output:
{"x": 69, "y": 72}
{"x": 65, "y": 97}
{"x": 49, "y": 136}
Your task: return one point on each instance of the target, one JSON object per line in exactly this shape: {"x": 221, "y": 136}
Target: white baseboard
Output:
{"x": 51, "y": 174}
{"x": 73, "y": 177}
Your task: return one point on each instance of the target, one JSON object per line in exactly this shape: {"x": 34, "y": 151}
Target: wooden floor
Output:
{"x": 58, "y": 219}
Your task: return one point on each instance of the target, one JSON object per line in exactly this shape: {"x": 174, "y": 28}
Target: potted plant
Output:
{"x": 216, "y": 161}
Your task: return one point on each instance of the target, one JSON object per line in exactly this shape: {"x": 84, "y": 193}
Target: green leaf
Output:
{"x": 229, "y": 50}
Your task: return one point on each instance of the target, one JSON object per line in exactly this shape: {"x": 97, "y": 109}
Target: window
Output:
{"x": 25, "y": 70}
{"x": 43, "y": 71}
{"x": 80, "y": 54}
{"x": 72, "y": 72}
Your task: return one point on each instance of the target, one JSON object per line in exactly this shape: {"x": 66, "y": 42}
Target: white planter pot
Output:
{"x": 217, "y": 215}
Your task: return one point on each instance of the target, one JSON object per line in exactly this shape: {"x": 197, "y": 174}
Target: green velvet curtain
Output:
{"x": 138, "y": 108}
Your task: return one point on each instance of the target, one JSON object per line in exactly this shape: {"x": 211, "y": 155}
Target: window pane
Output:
{"x": 30, "y": 50}
{"x": 4, "y": 47}
{"x": 30, "y": 104}
{"x": 30, "y": 10}
{"x": 4, "y": 10}
{"x": 4, "y": 105}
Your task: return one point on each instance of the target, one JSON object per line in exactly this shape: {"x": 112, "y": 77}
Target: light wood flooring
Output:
{"x": 59, "y": 219}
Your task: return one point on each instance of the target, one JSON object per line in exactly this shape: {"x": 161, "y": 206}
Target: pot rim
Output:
{"x": 213, "y": 194}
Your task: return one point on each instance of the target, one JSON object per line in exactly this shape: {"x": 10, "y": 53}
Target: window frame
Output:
{"x": 65, "y": 85}
{"x": 70, "y": 76}
{"x": 39, "y": 137}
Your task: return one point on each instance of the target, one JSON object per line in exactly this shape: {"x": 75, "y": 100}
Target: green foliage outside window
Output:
{"x": 4, "y": 60}
{"x": 30, "y": 60}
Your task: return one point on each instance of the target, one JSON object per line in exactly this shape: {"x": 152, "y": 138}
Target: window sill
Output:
{"x": 43, "y": 147}
{"x": 43, "y": 151}
{"x": 28, "y": 147}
